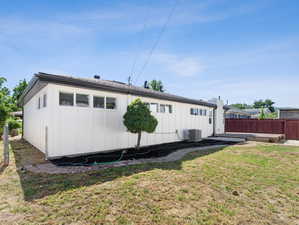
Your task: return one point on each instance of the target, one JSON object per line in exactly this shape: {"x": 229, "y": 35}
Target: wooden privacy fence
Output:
{"x": 271, "y": 126}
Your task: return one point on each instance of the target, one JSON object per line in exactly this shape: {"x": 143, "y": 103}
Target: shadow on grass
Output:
{"x": 36, "y": 186}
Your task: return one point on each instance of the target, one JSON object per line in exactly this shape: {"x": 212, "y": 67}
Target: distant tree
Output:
{"x": 5, "y": 103}
{"x": 259, "y": 104}
{"x": 241, "y": 106}
{"x": 273, "y": 115}
{"x": 19, "y": 89}
{"x": 138, "y": 119}
{"x": 156, "y": 85}
{"x": 3, "y": 117}
{"x": 262, "y": 115}
{"x": 269, "y": 104}
{"x": 5, "y": 98}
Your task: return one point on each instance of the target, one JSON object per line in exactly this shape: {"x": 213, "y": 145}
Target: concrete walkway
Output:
{"x": 263, "y": 137}
{"x": 232, "y": 139}
{"x": 292, "y": 142}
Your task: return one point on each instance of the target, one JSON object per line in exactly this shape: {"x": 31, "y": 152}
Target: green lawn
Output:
{"x": 244, "y": 184}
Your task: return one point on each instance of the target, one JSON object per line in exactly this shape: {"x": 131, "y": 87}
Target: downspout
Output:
{"x": 23, "y": 117}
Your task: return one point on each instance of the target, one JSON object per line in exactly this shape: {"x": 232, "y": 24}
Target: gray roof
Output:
{"x": 18, "y": 113}
{"x": 107, "y": 85}
{"x": 236, "y": 110}
{"x": 256, "y": 111}
{"x": 288, "y": 109}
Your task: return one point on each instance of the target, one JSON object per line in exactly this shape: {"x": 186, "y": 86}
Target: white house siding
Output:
{"x": 36, "y": 120}
{"x": 76, "y": 130}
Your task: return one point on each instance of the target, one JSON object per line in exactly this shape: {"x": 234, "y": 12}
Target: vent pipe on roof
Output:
{"x": 98, "y": 77}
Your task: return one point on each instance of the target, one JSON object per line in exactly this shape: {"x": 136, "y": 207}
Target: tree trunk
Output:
{"x": 138, "y": 141}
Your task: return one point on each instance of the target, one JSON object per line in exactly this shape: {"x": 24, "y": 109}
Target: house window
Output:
{"x": 200, "y": 112}
{"x": 82, "y": 100}
{"x": 154, "y": 107}
{"x": 110, "y": 103}
{"x": 169, "y": 107}
{"x": 39, "y": 103}
{"x": 44, "y": 100}
{"x": 193, "y": 111}
{"x": 66, "y": 99}
{"x": 162, "y": 108}
{"x": 99, "y": 102}
{"x": 204, "y": 112}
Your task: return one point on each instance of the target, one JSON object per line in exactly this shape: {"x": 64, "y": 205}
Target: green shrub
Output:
{"x": 3, "y": 115}
{"x": 13, "y": 124}
{"x": 138, "y": 118}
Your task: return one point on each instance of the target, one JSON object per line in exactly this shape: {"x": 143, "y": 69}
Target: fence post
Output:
{"x": 6, "y": 145}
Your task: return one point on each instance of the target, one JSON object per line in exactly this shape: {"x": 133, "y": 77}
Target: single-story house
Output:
{"x": 235, "y": 113}
{"x": 288, "y": 113}
{"x": 68, "y": 116}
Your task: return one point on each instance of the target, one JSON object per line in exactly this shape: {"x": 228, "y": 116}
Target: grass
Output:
{"x": 243, "y": 184}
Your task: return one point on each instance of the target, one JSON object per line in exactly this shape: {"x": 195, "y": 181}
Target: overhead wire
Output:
{"x": 157, "y": 41}
{"x": 140, "y": 44}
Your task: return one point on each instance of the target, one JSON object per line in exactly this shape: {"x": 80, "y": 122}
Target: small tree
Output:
{"x": 156, "y": 85}
{"x": 138, "y": 118}
{"x": 262, "y": 114}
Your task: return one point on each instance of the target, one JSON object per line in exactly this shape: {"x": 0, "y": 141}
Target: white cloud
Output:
{"x": 180, "y": 65}
{"x": 120, "y": 18}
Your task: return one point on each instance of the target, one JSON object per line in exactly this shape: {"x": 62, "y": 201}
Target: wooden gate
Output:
{"x": 292, "y": 130}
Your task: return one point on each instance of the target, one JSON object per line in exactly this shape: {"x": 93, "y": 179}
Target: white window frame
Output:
{"x": 98, "y": 96}
{"x": 164, "y": 106}
{"x": 116, "y": 103}
{"x": 157, "y": 107}
{"x": 81, "y": 106}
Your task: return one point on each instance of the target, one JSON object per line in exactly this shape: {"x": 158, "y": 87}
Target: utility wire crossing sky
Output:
{"x": 239, "y": 50}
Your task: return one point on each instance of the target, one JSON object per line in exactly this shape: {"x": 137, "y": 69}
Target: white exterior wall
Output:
{"x": 36, "y": 120}
{"x": 76, "y": 130}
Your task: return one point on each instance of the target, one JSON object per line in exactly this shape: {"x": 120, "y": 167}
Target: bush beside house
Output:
{"x": 138, "y": 119}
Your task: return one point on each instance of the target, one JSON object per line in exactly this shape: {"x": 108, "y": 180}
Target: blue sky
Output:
{"x": 240, "y": 50}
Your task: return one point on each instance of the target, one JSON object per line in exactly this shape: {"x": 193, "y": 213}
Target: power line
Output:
{"x": 158, "y": 40}
{"x": 140, "y": 44}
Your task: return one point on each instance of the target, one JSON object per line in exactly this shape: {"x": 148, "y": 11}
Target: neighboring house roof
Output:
{"x": 107, "y": 85}
{"x": 19, "y": 113}
{"x": 237, "y": 111}
{"x": 288, "y": 109}
{"x": 256, "y": 111}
